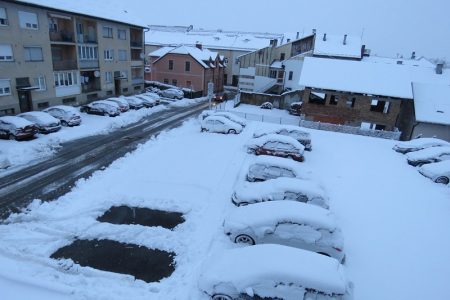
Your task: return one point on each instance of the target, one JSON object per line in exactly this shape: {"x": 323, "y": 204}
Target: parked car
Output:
{"x": 102, "y": 108}
{"x": 428, "y": 155}
{"x": 273, "y": 272}
{"x": 266, "y": 105}
{"x": 296, "y": 108}
{"x": 15, "y": 128}
{"x": 121, "y": 102}
{"x": 225, "y": 114}
{"x": 288, "y": 223}
{"x": 134, "y": 102}
{"x": 151, "y": 97}
{"x": 277, "y": 145}
{"x": 219, "y": 97}
{"x": 270, "y": 167}
{"x": 295, "y": 132}
{"x": 152, "y": 90}
{"x": 419, "y": 144}
{"x": 43, "y": 121}
{"x": 220, "y": 124}
{"x": 67, "y": 115}
{"x": 282, "y": 188}
{"x": 172, "y": 93}
{"x": 439, "y": 172}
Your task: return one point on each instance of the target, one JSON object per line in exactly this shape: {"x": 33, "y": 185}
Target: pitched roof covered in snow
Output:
{"x": 203, "y": 56}
{"x": 333, "y": 45}
{"x": 366, "y": 77}
{"x": 432, "y": 103}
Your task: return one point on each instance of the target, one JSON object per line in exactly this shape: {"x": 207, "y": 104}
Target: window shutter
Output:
{"x": 2, "y": 13}
{"x": 28, "y": 20}
{"x": 4, "y": 84}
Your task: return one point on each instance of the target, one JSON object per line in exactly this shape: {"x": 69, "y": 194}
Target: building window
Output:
{"x": 121, "y": 34}
{"x": 272, "y": 74}
{"x": 5, "y": 87}
{"x": 6, "y": 53}
{"x": 108, "y": 77}
{"x": 52, "y": 25}
{"x": 291, "y": 74}
{"x": 69, "y": 100}
{"x": 166, "y": 81}
{"x": 187, "y": 66}
{"x": 334, "y": 100}
{"x": 43, "y": 105}
{"x": 282, "y": 56}
{"x": 170, "y": 64}
{"x": 7, "y": 112}
{"x": 122, "y": 55}
{"x": 107, "y": 32}
{"x": 351, "y": 102}
{"x": 65, "y": 78}
{"x": 3, "y": 17}
{"x": 33, "y": 54}
{"x": 28, "y": 20}
{"x": 40, "y": 82}
{"x": 372, "y": 126}
{"x": 174, "y": 82}
{"x": 188, "y": 84}
{"x": 317, "y": 98}
{"x": 108, "y": 54}
{"x": 88, "y": 52}
{"x": 379, "y": 106}
{"x": 137, "y": 88}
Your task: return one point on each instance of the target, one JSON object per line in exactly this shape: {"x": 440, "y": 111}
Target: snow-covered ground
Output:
{"x": 395, "y": 222}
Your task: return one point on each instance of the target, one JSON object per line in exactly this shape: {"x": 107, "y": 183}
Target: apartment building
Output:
{"x": 51, "y": 56}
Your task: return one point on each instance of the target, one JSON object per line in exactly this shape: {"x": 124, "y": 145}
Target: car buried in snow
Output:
{"x": 273, "y": 272}
{"x": 134, "y": 103}
{"x": 220, "y": 124}
{"x": 172, "y": 93}
{"x": 15, "y": 128}
{"x": 288, "y": 223}
{"x": 266, "y": 105}
{"x": 68, "y": 115}
{"x": 419, "y": 144}
{"x": 265, "y": 167}
{"x": 295, "y": 132}
{"x": 121, "y": 103}
{"x": 296, "y": 108}
{"x": 439, "y": 172}
{"x": 277, "y": 145}
{"x": 230, "y": 116}
{"x": 43, "y": 121}
{"x": 278, "y": 189}
{"x": 101, "y": 108}
{"x": 428, "y": 155}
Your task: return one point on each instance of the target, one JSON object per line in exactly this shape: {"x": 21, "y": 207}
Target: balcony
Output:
{"x": 62, "y": 36}
{"x": 86, "y": 31}
{"x": 136, "y": 38}
{"x": 61, "y": 29}
{"x": 88, "y": 64}
{"x": 64, "y": 57}
{"x": 60, "y": 65}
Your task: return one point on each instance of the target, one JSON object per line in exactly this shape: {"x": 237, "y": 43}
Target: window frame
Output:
{"x": 187, "y": 66}
{"x": 119, "y": 55}
{"x": 118, "y": 34}
{"x": 4, "y": 21}
{"x": 110, "y": 32}
{"x": 30, "y": 59}
{"x": 291, "y": 75}
{"x": 23, "y": 24}
{"x": 171, "y": 63}
{"x": 109, "y": 77}
{"x": 41, "y": 82}
{"x": 5, "y": 57}
{"x": 4, "y": 87}
{"x": 108, "y": 54}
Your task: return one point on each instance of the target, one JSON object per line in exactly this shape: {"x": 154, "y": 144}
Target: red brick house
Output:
{"x": 187, "y": 67}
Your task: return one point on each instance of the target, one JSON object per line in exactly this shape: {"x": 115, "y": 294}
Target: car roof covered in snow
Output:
{"x": 223, "y": 120}
{"x": 271, "y": 213}
{"x": 436, "y": 168}
{"x": 106, "y": 102}
{"x": 422, "y": 142}
{"x": 248, "y": 266}
{"x": 275, "y": 138}
{"x": 39, "y": 115}
{"x": 432, "y": 103}
{"x": 428, "y": 153}
{"x": 275, "y": 129}
{"x": 277, "y": 161}
{"x": 16, "y": 121}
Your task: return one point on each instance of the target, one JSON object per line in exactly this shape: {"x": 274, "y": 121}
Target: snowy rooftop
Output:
{"x": 333, "y": 45}
{"x": 95, "y": 9}
{"x": 381, "y": 79}
{"x": 432, "y": 103}
{"x": 215, "y": 39}
{"x": 200, "y": 55}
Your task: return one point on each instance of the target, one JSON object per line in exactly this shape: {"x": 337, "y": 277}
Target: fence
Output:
{"x": 294, "y": 120}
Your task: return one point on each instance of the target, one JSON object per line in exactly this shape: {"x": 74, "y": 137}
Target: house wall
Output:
{"x": 295, "y": 66}
{"x": 431, "y": 130}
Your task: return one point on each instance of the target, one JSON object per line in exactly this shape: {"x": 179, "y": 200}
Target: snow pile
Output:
{"x": 417, "y": 144}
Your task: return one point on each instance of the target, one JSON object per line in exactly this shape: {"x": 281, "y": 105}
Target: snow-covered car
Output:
{"x": 149, "y": 101}
{"x": 266, "y": 105}
{"x": 269, "y": 167}
{"x": 288, "y": 223}
{"x": 154, "y": 96}
{"x": 102, "y": 108}
{"x": 277, "y": 145}
{"x": 15, "y": 128}
{"x": 438, "y": 172}
{"x": 273, "y": 272}
{"x": 43, "y": 121}
{"x": 228, "y": 115}
{"x": 295, "y": 132}
{"x": 121, "y": 102}
{"x": 428, "y": 155}
{"x": 419, "y": 144}
{"x": 219, "y": 124}
{"x": 68, "y": 115}
{"x": 172, "y": 93}
{"x": 152, "y": 90}
{"x": 296, "y": 108}
{"x": 282, "y": 188}
{"x": 134, "y": 103}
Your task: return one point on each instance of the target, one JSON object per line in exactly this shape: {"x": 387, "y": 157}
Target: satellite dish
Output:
{"x": 97, "y": 74}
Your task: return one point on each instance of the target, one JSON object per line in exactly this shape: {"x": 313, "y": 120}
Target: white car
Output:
{"x": 282, "y": 188}
{"x": 265, "y": 167}
{"x": 121, "y": 102}
{"x": 68, "y": 115}
{"x": 419, "y": 144}
{"x": 438, "y": 172}
{"x": 219, "y": 124}
{"x": 149, "y": 101}
{"x": 102, "y": 108}
{"x": 228, "y": 115}
{"x": 277, "y": 145}
{"x": 273, "y": 272}
{"x": 43, "y": 121}
{"x": 172, "y": 93}
{"x": 134, "y": 103}
{"x": 288, "y": 223}
{"x": 295, "y": 132}
{"x": 428, "y": 155}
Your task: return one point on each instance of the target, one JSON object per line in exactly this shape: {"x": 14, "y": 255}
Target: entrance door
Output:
{"x": 117, "y": 87}
{"x": 25, "y": 101}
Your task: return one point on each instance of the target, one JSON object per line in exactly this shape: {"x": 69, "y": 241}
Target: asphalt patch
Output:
{"x": 141, "y": 216}
{"x": 149, "y": 265}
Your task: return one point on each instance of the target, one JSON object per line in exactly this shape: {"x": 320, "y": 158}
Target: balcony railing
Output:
{"x": 88, "y": 64}
{"x": 59, "y": 65}
{"x": 62, "y": 36}
{"x": 86, "y": 39}
{"x": 136, "y": 44}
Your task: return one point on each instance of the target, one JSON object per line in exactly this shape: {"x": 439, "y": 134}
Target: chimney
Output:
{"x": 297, "y": 36}
{"x": 324, "y": 37}
{"x": 439, "y": 68}
{"x": 413, "y": 55}
{"x": 274, "y": 42}
{"x": 314, "y": 31}
{"x": 199, "y": 46}
{"x": 345, "y": 39}
{"x": 363, "y": 50}
{"x": 288, "y": 40}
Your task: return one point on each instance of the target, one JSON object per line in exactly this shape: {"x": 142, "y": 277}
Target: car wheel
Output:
{"x": 244, "y": 239}
{"x": 64, "y": 123}
{"x": 442, "y": 179}
{"x": 221, "y": 297}
{"x": 232, "y": 131}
